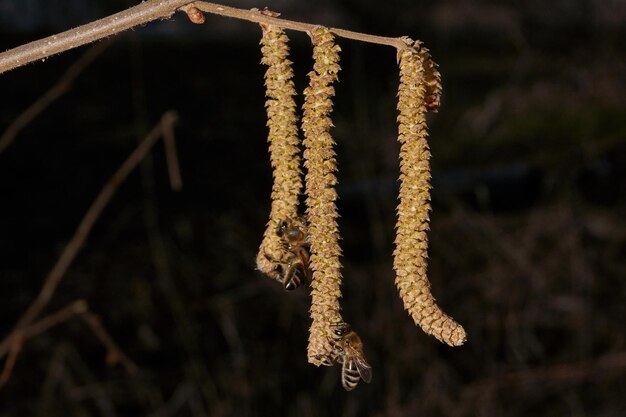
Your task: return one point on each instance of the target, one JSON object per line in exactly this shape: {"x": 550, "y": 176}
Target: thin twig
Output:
{"x": 39, "y": 327}
{"x": 84, "y": 228}
{"x": 114, "y": 353}
{"x": 138, "y": 15}
{"x": 171, "y": 156}
{"x": 57, "y": 90}
{"x": 14, "y": 351}
{"x": 77, "y": 307}
{"x": 258, "y": 17}
{"x": 575, "y": 372}
{"x": 152, "y": 10}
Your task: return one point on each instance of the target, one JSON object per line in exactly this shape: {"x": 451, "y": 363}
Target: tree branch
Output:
{"x": 57, "y": 90}
{"x": 82, "y": 35}
{"x": 258, "y": 17}
{"x": 152, "y": 10}
{"x": 114, "y": 353}
{"x": 84, "y": 229}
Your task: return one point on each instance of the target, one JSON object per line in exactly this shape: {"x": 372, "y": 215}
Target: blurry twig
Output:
{"x": 12, "y": 341}
{"x": 14, "y": 350}
{"x": 33, "y": 330}
{"x": 574, "y": 372}
{"x": 484, "y": 391}
{"x": 171, "y": 156}
{"x": 179, "y": 398}
{"x": 79, "y": 385}
{"x": 114, "y": 353}
{"x": 510, "y": 250}
{"x": 57, "y": 90}
{"x": 79, "y": 307}
{"x": 167, "y": 284}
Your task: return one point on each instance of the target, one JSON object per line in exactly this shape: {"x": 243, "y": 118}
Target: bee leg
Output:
{"x": 275, "y": 273}
{"x": 324, "y": 360}
{"x": 278, "y": 273}
{"x": 294, "y": 275}
{"x": 302, "y": 254}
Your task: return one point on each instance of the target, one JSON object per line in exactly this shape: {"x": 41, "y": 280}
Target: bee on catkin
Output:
{"x": 284, "y": 149}
{"x": 349, "y": 353}
{"x": 293, "y": 269}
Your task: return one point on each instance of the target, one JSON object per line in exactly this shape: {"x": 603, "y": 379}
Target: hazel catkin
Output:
{"x": 419, "y": 88}
{"x": 320, "y": 183}
{"x": 284, "y": 144}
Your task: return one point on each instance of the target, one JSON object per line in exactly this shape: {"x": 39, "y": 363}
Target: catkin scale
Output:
{"x": 432, "y": 81}
{"x": 419, "y": 90}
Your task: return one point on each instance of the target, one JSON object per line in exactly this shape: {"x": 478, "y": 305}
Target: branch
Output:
{"x": 84, "y": 229}
{"x": 259, "y": 17}
{"x": 114, "y": 353}
{"x": 57, "y": 90}
{"x": 18, "y": 339}
{"x": 153, "y": 10}
{"x": 604, "y": 366}
{"x": 82, "y": 35}
{"x": 79, "y": 307}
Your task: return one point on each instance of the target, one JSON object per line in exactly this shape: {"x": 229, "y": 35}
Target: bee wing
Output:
{"x": 364, "y": 368}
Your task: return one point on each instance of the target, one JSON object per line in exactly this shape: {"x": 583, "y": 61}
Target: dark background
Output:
{"x": 527, "y": 235}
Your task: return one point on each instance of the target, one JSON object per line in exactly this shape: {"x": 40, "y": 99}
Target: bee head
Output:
{"x": 294, "y": 235}
{"x": 341, "y": 329}
{"x": 282, "y": 228}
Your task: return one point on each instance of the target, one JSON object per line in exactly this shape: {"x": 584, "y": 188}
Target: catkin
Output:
{"x": 283, "y": 143}
{"x": 411, "y": 252}
{"x": 320, "y": 183}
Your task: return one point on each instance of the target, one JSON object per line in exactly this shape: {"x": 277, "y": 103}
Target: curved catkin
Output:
{"x": 283, "y": 142}
{"x": 411, "y": 252}
{"x": 320, "y": 182}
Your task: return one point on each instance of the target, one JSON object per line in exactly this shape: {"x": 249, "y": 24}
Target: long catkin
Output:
{"x": 320, "y": 183}
{"x": 283, "y": 143}
{"x": 411, "y": 252}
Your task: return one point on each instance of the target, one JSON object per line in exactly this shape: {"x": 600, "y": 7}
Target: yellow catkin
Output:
{"x": 411, "y": 252}
{"x": 283, "y": 143}
{"x": 320, "y": 182}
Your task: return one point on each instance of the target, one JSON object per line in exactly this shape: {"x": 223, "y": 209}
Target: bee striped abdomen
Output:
{"x": 349, "y": 375}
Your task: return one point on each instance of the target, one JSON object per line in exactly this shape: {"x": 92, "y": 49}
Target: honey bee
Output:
{"x": 293, "y": 267}
{"x": 348, "y": 350}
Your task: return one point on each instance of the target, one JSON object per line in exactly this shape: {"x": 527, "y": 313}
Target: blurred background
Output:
{"x": 528, "y": 231}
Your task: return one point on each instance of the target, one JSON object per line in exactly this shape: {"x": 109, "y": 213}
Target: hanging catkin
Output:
{"x": 283, "y": 144}
{"x": 320, "y": 182}
{"x": 419, "y": 88}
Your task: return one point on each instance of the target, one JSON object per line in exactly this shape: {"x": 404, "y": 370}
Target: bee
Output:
{"x": 293, "y": 267}
{"x": 348, "y": 350}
